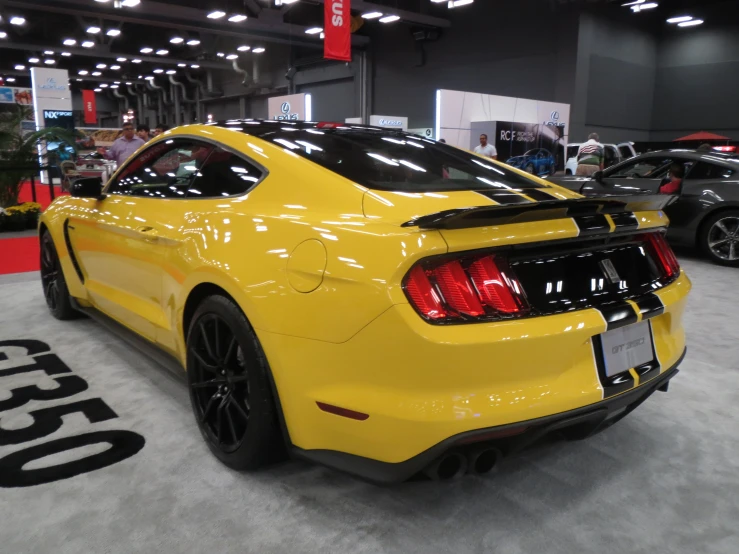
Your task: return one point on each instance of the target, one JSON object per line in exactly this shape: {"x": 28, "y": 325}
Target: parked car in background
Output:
{"x": 706, "y": 214}
{"x": 538, "y": 161}
{"x": 615, "y": 153}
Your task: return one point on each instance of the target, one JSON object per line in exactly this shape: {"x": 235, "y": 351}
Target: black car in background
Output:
{"x": 706, "y": 214}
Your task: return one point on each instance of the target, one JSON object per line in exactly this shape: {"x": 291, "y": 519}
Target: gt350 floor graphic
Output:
{"x": 46, "y": 421}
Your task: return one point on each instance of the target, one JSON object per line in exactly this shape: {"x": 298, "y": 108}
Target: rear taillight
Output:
{"x": 663, "y": 255}
{"x": 465, "y": 289}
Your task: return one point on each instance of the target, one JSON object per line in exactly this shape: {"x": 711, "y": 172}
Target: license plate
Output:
{"x": 627, "y": 347}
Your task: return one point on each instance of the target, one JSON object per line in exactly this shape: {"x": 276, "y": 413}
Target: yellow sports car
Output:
{"x": 369, "y": 299}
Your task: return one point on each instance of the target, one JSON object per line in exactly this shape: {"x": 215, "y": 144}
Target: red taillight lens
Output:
{"x": 464, "y": 289}
{"x": 457, "y": 289}
{"x": 495, "y": 290}
{"x": 663, "y": 254}
{"x": 423, "y": 295}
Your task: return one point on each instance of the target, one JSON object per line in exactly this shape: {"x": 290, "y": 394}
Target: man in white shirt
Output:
{"x": 485, "y": 149}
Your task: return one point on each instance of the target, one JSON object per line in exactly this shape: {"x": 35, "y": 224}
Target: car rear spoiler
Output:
{"x": 483, "y": 216}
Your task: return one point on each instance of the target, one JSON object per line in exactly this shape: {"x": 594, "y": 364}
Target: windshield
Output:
{"x": 391, "y": 160}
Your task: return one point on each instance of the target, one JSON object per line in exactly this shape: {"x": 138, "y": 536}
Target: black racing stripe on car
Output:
{"x": 618, "y": 315}
{"x": 625, "y": 221}
{"x": 648, "y": 371}
{"x": 504, "y": 197}
{"x": 614, "y": 384}
{"x": 539, "y": 195}
{"x": 592, "y": 224}
{"x": 650, "y": 306}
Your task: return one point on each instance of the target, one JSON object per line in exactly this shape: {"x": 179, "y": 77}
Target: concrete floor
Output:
{"x": 664, "y": 480}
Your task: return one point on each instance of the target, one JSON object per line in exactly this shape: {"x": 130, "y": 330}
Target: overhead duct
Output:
{"x": 123, "y": 97}
{"x": 166, "y": 99}
{"x": 205, "y": 90}
{"x": 245, "y": 73}
{"x": 176, "y": 83}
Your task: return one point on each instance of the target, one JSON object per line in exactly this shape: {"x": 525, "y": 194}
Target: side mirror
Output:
{"x": 598, "y": 176}
{"x": 87, "y": 187}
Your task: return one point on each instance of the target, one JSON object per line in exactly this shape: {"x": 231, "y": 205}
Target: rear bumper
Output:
{"x": 575, "y": 424}
{"x": 421, "y": 384}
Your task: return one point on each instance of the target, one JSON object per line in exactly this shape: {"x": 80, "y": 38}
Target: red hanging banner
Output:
{"x": 89, "y": 107}
{"x": 337, "y": 44}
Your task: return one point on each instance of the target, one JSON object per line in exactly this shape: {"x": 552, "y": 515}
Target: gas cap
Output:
{"x": 307, "y": 265}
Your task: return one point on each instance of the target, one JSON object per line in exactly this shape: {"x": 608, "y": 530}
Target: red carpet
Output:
{"x": 42, "y": 194}
{"x": 19, "y": 254}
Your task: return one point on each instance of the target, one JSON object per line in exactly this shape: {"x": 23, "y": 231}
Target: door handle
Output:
{"x": 147, "y": 233}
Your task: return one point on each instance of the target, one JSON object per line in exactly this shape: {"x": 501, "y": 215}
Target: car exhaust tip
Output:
{"x": 483, "y": 461}
{"x": 447, "y": 467}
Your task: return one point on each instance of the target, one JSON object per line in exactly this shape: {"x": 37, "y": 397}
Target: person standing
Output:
{"x": 124, "y": 146}
{"x": 143, "y": 132}
{"x": 590, "y": 156}
{"x": 486, "y": 149}
{"x": 161, "y": 128}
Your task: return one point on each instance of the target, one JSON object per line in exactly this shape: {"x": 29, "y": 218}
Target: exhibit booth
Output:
{"x": 519, "y": 128}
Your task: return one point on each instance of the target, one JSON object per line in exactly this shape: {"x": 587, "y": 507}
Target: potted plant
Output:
{"x": 22, "y": 149}
{"x": 15, "y": 219}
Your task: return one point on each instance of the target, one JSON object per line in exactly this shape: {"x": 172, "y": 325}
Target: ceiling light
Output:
{"x": 98, "y": 90}
{"x": 135, "y": 60}
{"x": 691, "y": 23}
{"x": 78, "y": 80}
{"x": 373, "y": 15}
{"x": 3, "y": 34}
{"x": 157, "y": 70}
{"x": 66, "y": 54}
{"x": 83, "y": 72}
{"x": 113, "y": 86}
{"x": 130, "y": 3}
{"x": 238, "y": 18}
{"x": 88, "y": 44}
{"x": 177, "y": 40}
{"x": 48, "y": 52}
{"x": 642, "y": 7}
{"x": 101, "y": 66}
{"x": 216, "y": 15}
{"x": 69, "y": 42}
{"x": 113, "y": 32}
{"x": 193, "y": 42}
{"x": 96, "y": 74}
{"x": 17, "y": 20}
{"x": 121, "y": 59}
{"x": 117, "y": 82}
{"x": 103, "y": 85}
{"x": 680, "y": 19}
{"x": 181, "y": 65}
{"x": 115, "y": 67}
{"x": 129, "y": 83}
{"x": 389, "y": 18}
{"x": 149, "y": 77}
{"x": 313, "y": 31}
{"x": 244, "y": 48}
{"x": 258, "y": 50}
{"x": 33, "y": 60}
{"x": 146, "y": 50}
{"x": 10, "y": 80}
{"x": 221, "y": 55}
{"x": 171, "y": 71}
{"x": 457, "y": 3}
{"x": 162, "y": 52}
{"x": 93, "y": 30}
{"x": 49, "y": 62}
{"x": 20, "y": 67}
{"x": 194, "y": 66}
{"x": 232, "y": 56}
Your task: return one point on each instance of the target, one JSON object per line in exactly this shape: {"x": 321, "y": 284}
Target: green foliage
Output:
{"x": 19, "y": 149}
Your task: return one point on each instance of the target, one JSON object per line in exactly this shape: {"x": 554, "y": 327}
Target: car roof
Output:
{"x": 696, "y": 155}
{"x": 261, "y": 126}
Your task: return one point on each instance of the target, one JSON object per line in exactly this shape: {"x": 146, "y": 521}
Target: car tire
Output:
{"x": 54, "y": 285}
{"x": 718, "y": 238}
{"x": 568, "y": 172}
{"x": 552, "y": 169}
{"x": 230, "y": 386}
{"x": 529, "y": 169}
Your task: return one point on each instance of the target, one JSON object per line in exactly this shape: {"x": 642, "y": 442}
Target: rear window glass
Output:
{"x": 387, "y": 160}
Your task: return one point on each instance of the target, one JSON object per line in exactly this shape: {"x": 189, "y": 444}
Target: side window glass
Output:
{"x": 163, "y": 171}
{"x": 652, "y": 168}
{"x": 224, "y": 174}
{"x": 625, "y": 152}
{"x": 703, "y": 170}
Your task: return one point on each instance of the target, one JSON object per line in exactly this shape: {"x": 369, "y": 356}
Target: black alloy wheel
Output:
{"x": 720, "y": 238}
{"x": 52, "y": 279}
{"x": 230, "y": 388}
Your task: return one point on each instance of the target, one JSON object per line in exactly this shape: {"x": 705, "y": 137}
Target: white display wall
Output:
{"x": 292, "y": 107}
{"x": 456, "y": 111}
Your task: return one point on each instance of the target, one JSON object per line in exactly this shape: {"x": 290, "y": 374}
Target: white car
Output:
{"x": 615, "y": 153}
